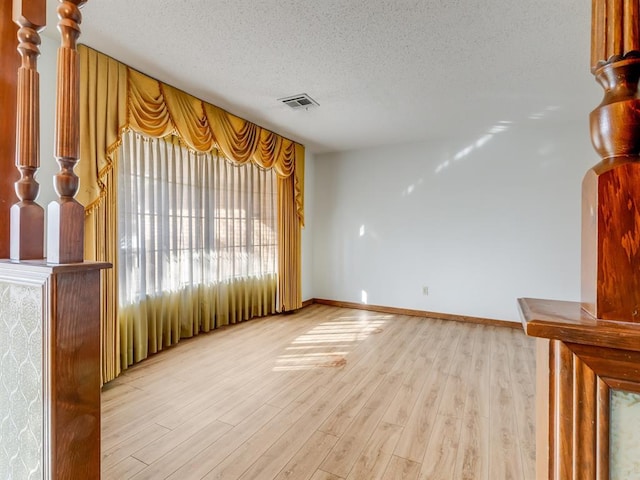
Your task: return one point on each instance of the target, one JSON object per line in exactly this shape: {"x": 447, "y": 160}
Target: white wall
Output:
{"x": 480, "y": 221}
{"x": 308, "y": 231}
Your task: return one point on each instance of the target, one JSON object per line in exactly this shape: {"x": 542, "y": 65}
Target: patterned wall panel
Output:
{"x": 625, "y": 435}
{"x": 21, "y": 401}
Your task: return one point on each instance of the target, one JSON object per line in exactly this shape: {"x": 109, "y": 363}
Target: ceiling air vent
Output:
{"x": 301, "y": 100}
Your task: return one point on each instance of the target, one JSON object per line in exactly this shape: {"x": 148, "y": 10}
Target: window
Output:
{"x": 189, "y": 219}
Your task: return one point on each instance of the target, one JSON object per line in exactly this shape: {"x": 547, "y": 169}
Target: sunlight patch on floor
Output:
{"x": 329, "y": 344}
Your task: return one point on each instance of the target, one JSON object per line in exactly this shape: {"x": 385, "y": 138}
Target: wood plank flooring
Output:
{"x": 328, "y": 394}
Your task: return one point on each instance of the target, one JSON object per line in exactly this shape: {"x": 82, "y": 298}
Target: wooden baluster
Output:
{"x": 611, "y": 189}
{"x": 27, "y": 217}
{"x": 8, "y": 94}
{"x": 65, "y": 238}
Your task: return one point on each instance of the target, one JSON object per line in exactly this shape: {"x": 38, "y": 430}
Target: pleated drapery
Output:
{"x": 114, "y": 98}
{"x": 198, "y": 243}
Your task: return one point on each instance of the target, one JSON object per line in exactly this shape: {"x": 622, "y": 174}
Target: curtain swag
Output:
{"x": 141, "y": 103}
{"x": 115, "y": 98}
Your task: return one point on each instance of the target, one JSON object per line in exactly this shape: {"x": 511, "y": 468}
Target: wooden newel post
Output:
{"x": 27, "y": 217}
{"x": 588, "y": 352}
{"x": 611, "y": 189}
{"x": 65, "y": 239}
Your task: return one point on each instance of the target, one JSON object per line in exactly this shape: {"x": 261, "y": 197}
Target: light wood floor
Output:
{"x": 328, "y": 394}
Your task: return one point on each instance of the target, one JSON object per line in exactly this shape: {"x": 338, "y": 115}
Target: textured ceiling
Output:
{"x": 383, "y": 72}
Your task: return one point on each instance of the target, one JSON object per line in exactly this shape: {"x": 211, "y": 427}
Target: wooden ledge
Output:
{"x": 566, "y": 321}
{"x": 40, "y": 270}
{"x": 53, "y": 267}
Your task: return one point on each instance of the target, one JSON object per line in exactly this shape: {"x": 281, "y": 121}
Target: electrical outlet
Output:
{"x": 425, "y": 290}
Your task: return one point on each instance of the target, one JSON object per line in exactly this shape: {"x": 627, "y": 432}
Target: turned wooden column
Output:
{"x": 27, "y": 217}
{"x": 611, "y": 189}
{"x": 8, "y": 90}
{"x": 589, "y": 351}
{"x": 65, "y": 240}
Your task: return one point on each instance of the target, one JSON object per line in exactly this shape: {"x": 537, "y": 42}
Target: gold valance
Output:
{"x": 153, "y": 108}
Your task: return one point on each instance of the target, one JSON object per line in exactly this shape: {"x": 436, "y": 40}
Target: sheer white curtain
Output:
{"x": 198, "y": 243}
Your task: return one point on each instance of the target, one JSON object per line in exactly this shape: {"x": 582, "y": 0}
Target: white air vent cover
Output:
{"x": 301, "y": 100}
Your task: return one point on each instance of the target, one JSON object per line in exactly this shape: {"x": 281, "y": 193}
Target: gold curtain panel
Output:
{"x": 114, "y": 98}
